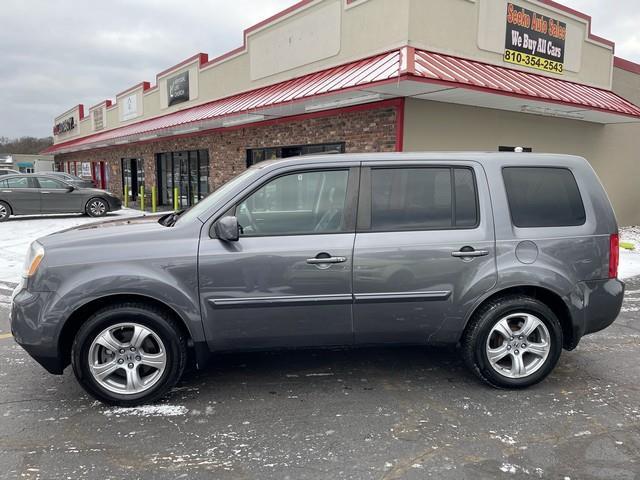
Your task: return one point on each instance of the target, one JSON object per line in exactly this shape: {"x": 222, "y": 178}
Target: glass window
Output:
{"x": 411, "y": 198}
{"x": 17, "y": 182}
{"x": 466, "y": 211}
{"x": 256, "y": 155}
{"x": 543, "y": 197}
{"x": 185, "y": 173}
{"x": 203, "y": 189}
{"x": 50, "y": 183}
{"x": 296, "y": 204}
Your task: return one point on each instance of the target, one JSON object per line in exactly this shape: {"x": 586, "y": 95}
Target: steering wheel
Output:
{"x": 252, "y": 222}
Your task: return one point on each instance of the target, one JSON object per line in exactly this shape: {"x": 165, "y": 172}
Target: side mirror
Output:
{"x": 70, "y": 188}
{"x": 227, "y": 229}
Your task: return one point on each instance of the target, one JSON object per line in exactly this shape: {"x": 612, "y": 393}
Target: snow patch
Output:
{"x": 629, "y": 259}
{"x": 148, "y": 411}
{"x": 17, "y": 233}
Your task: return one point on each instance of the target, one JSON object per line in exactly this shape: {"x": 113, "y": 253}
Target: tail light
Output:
{"x": 614, "y": 255}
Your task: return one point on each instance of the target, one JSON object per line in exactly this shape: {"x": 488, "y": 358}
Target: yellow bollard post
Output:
{"x": 142, "y": 197}
{"x": 176, "y": 203}
{"x": 154, "y": 199}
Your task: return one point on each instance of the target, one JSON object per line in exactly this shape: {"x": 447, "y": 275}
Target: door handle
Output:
{"x": 321, "y": 261}
{"x": 470, "y": 253}
{"x": 45, "y": 192}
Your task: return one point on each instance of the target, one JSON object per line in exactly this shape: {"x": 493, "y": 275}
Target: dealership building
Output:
{"x": 369, "y": 76}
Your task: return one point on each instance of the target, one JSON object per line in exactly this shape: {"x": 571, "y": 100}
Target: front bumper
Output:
{"x": 37, "y": 335}
{"x": 114, "y": 204}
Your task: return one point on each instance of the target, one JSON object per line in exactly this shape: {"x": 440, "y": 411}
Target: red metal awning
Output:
{"x": 503, "y": 80}
{"x": 374, "y": 74}
{"x": 364, "y": 72}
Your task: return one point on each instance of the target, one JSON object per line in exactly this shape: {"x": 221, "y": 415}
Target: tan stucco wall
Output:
{"x": 611, "y": 149}
{"x": 627, "y": 85}
{"x": 305, "y": 41}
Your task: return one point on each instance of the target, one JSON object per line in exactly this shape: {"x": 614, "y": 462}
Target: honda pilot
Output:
{"x": 511, "y": 256}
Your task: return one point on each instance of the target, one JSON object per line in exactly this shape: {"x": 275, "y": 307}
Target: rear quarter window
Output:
{"x": 543, "y": 197}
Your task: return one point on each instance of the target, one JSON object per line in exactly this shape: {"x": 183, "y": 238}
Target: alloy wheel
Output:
{"x": 3, "y": 211}
{"x": 97, "y": 208}
{"x": 127, "y": 358}
{"x": 518, "y": 345}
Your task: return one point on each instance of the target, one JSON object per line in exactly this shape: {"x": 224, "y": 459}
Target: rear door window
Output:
{"x": 423, "y": 198}
{"x": 17, "y": 182}
{"x": 543, "y": 197}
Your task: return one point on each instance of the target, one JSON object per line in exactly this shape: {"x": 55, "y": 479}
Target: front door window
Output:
{"x": 296, "y": 204}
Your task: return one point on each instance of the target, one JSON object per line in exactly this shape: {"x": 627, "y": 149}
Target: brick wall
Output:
{"x": 371, "y": 130}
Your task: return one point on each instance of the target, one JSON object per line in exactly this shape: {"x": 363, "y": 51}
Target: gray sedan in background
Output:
{"x": 29, "y": 194}
{"x": 72, "y": 179}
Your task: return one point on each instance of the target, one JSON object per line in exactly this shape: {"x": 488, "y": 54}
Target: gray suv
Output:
{"x": 511, "y": 256}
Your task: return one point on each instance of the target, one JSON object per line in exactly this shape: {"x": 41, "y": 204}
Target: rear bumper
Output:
{"x": 602, "y": 303}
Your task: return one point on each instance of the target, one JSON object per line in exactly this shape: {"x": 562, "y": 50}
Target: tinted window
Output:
{"x": 466, "y": 204}
{"x": 422, "y": 198}
{"x": 543, "y": 197}
{"x": 50, "y": 183}
{"x": 295, "y": 204}
{"x": 17, "y": 182}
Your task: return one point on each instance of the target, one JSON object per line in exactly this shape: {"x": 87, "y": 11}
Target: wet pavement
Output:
{"x": 388, "y": 413}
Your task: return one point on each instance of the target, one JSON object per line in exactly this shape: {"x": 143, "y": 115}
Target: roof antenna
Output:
{"x": 518, "y": 149}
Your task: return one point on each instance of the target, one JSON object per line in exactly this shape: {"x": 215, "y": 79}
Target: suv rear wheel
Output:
{"x": 513, "y": 342}
{"x": 129, "y": 354}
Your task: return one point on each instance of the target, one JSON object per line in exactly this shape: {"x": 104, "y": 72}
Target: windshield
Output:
{"x": 209, "y": 202}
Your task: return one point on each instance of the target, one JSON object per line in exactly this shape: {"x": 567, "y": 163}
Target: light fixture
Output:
{"x": 342, "y": 102}
{"x": 551, "y": 112}
{"x": 121, "y": 142}
{"x": 249, "y": 118}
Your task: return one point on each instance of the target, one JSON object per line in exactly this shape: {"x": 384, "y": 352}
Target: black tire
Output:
{"x": 474, "y": 340}
{"x": 97, "y": 207}
{"x": 5, "y": 211}
{"x": 159, "y": 322}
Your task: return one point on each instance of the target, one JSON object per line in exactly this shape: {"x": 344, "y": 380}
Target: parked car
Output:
{"x": 73, "y": 179}
{"x": 511, "y": 256}
{"x": 8, "y": 171}
{"x": 33, "y": 193}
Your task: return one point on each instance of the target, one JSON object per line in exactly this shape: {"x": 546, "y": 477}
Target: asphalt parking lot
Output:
{"x": 381, "y": 414}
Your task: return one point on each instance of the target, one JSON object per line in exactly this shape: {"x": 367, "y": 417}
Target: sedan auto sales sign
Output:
{"x": 534, "y": 40}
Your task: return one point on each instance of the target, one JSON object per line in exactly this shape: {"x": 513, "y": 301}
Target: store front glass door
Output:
{"x": 132, "y": 177}
{"x": 183, "y": 178}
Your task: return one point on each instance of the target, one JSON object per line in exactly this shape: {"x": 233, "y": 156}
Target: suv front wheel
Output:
{"x": 513, "y": 342}
{"x": 129, "y": 354}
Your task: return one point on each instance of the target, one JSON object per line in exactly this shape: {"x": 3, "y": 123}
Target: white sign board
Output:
{"x": 129, "y": 107}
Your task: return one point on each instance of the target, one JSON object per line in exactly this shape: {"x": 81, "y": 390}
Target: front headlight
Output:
{"x": 34, "y": 257}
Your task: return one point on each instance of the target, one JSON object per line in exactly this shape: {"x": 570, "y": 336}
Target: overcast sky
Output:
{"x": 58, "y": 53}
